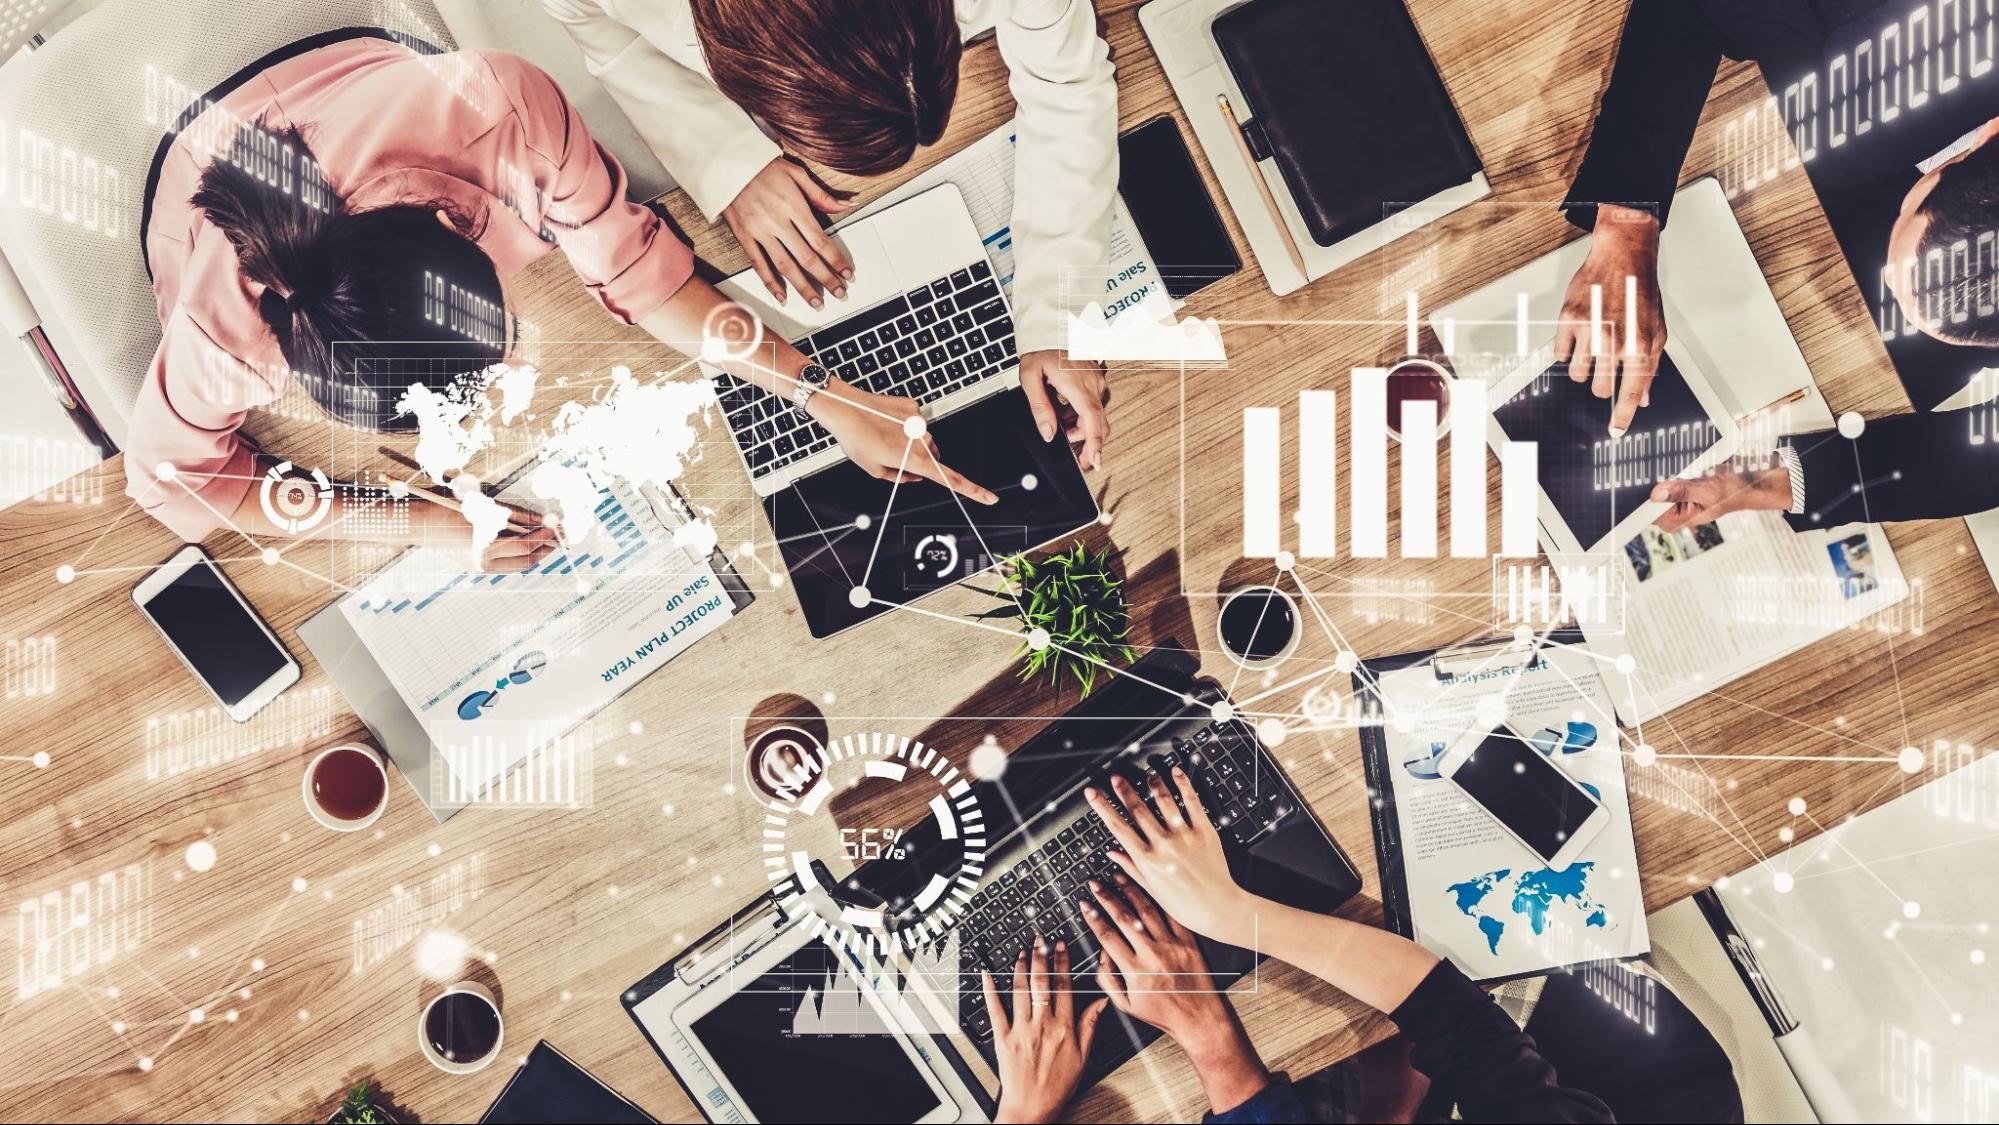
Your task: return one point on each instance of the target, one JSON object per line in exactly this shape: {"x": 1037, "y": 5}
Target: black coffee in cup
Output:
{"x": 463, "y": 1028}
{"x": 1258, "y": 624}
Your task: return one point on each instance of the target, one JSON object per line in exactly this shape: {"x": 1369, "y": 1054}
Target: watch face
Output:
{"x": 815, "y": 374}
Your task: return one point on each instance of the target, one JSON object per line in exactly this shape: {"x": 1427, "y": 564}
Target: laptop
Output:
{"x": 1042, "y": 846}
{"x": 926, "y": 319}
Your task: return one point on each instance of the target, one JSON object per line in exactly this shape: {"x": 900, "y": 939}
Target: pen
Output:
{"x": 1262, "y": 185}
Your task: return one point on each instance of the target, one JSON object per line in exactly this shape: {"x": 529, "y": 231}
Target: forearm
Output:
{"x": 1231, "y": 1073}
{"x": 1378, "y": 968}
{"x": 1903, "y": 467}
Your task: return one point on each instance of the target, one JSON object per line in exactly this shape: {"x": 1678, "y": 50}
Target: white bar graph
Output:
{"x": 1468, "y": 409}
{"x": 1317, "y": 515}
{"x": 1519, "y": 497}
{"x": 1318, "y": 474}
{"x": 1262, "y": 466}
{"x": 1367, "y": 467}
{"x": 1419, "y": 479}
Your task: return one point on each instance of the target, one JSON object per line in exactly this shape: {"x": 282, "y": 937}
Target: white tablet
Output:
{"x": 794, "y": 1034}
{"x": 1595, "y": 490}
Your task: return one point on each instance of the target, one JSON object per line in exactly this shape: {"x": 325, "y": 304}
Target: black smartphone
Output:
{"x": 1171, "y": 206}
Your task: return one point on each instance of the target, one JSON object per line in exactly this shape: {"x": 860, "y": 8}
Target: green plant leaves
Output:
{"x": 1077, "y": 598}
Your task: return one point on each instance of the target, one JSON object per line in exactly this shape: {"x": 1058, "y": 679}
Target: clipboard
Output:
{"x": 1446, "y": 663}
{"x": 711, "y": 960}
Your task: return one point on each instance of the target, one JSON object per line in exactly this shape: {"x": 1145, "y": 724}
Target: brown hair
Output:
{"x": 854, "y": 85}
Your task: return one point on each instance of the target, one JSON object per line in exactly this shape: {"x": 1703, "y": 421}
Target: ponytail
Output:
{"x": 362, "y": 304}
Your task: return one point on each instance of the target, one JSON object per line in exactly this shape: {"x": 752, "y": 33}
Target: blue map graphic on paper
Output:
{"x": 1527, "y": 894}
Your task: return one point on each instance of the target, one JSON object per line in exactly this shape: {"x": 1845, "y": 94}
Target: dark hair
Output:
{"x": 854, "y": 85}
{"x": 363, "y": 303}
{"x": 1958, "y": 298}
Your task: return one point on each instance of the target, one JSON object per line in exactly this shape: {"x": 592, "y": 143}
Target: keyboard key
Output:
{"x": 925, "y": 338}
{"x": 904, "y": 325}
{"x": 961, "y": 323}
{"x": 849, "y": 351}
{"x": 959, "y": 280}
{"x": 870, "y": 341}
{"x": 941, "y": 287}
{"x": 957, "y": 346}
{"x": 990, "y": 311}
{"x": 937, "y": 354}
{"x": 918, "y": 364}
{"x": 926, "y": 315}
{"x": 981, "y": 271}
{"x": 905, "y": 348}
{"x": 868, "y": 365}
{"x": 993, "y": 354}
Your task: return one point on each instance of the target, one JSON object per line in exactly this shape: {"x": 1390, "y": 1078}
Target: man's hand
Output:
{"x": 874, "y": 432}
{"x": 1177, "y": 857}
{"x": 774, "y": 220}
{"x": 1041, "y": 1044}
{"x": 1069, "y": 396}
{"x": 1612, "y": 319}
{"x": 1720, "y": 491}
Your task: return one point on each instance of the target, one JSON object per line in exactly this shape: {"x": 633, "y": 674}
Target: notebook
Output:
{"x": 1345, "y": 99}
{"x": 549, "y": 1087}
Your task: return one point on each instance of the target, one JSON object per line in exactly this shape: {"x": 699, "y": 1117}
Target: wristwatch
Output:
{"x": 809, "y": 381}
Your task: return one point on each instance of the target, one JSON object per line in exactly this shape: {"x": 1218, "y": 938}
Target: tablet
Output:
{"x": 790, "y": 1033}
{"x": 1596, "y": 489}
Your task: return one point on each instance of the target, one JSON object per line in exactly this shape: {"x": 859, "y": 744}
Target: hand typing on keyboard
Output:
{"x": 1176, "y": 856}
{"x": 1040, "y": 1042}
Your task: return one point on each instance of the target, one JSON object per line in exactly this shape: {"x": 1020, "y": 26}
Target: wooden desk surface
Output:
{"x": 574, "y": 906}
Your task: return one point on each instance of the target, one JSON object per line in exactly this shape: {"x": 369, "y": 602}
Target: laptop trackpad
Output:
{"x": 841, "y": 528}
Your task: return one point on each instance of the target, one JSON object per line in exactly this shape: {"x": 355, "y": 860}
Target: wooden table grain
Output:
{"x": 241, "y": 992}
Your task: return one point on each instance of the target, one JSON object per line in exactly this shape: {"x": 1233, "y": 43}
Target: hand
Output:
{"x": 774, "y": 221}
{"x": 871, "y": 431}
{"x": 1079, "y": 386}
{"x": 1177, "y": 858}
{"x": 522, "y": 545}
{"x": 1623, "y": 248}
{"x": 1720, "y": 491}
{"x": 1152, "y": 969}
{"x": 1042, "y": 1045}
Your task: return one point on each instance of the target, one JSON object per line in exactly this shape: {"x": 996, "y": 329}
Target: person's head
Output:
{"x": 854, "y": 85}
{"x": 1943, "y": 253}
{"x": 363, "y": 304}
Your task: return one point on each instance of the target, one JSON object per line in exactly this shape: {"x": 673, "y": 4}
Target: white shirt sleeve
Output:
{"x": 708, "y": 144}
{"x": 1065, "y": 158}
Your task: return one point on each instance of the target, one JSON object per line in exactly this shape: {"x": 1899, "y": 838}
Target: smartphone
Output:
{"x": 1172, "y": 209}
{"x": 1530, "y": 796}
{"x": 215, "y": 632}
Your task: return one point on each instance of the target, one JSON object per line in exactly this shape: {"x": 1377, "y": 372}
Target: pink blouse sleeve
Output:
{"x": 189, "y": 407}
{"x": 624, "y": 253}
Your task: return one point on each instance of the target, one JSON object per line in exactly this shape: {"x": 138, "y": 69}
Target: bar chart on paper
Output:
{"x": 1317, "y": 514}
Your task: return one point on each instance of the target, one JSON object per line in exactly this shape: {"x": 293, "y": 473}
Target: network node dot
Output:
{"x": 65, "y": 574}
{"x": 913, "y": 427}
{"x": 200, "y": 856}
{"x": 1644, "y": 755}
{"x": 1223, "y": 711}
{"x": 1797, "y": 806}
{"x": 1285, "y": 561}
{"x": 41, "y": 759}
{"x": 863, "y": 521}
{"x": 399, "y": 489}
{"x": 988, "y": 761}
{"x": 165, "y": 470}
{"x": 196, "y": 1016}
{"x": 1029, "y": 482}
{"x": 298, "y": 886}
{"x": 1785, "y": 835}
{"x": 1626, "y": 664}
{"x": 1978, "y": 956}
{"x": 1851, "y": 425}
{"x": 1523, "y": 635}
{"x": 1272, "y": 732}
{"x": 1912, "y": 911}
{"x": 1782, "y": 882}
{"x": 859, "y": 597}
{"x": 146, "y": 1063}
{"x": 1910, "y": 759}
{"x": 1345, "y": 661}
{"x": 1038, "y": 639}
{"x": 270, "y": 556}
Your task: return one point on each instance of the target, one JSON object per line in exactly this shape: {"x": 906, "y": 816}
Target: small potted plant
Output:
{"x": 1072, "y": 614}
{"x": 361, "y": 1108}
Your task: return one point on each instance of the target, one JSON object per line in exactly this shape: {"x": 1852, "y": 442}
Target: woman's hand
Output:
{"x": 1178, "y": 858}
{"x": 1152, "y": 969}
{"x": 523, "y": 544}
{"x": 1069, "y": 396}
{"x": 1623, "y": 258}
{"x": 1041, "y": 1045}
{"x": 774, "y": 220}
{"x": 875, "y": 432}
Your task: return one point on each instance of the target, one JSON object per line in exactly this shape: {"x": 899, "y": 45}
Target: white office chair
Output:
{"x": 80, "y": 118}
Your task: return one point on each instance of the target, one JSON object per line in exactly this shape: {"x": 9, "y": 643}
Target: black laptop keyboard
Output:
{"x": 1038, "y": 895}
{"x": 928, "y": 343}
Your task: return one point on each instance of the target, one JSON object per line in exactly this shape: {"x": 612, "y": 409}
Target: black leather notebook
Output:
{"x": 550, "y": 1088}
{"x": 1344, "y": 97}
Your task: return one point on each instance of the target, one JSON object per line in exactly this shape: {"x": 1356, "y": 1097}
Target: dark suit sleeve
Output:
{"x": 1903, "y": 467}
{"x": 1478, "y": 1058}
{"x": 1666, "y": 61}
